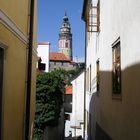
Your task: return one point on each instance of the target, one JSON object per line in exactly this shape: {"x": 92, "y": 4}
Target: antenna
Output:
{"x": 65, "y": 12}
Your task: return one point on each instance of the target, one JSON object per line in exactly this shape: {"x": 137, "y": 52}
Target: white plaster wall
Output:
{"x": 43, "y": 52}
{"x": 67, "y": 127}
{"x": 117, "y": 19}
{"x": 77, "y": 116}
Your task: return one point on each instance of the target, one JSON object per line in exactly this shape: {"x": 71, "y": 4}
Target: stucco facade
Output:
{"x": 14, "y": 31}
{"x": 113, "y": 115}
{"x": 77, "y": 116}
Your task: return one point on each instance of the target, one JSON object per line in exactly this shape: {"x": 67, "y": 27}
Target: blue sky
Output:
{"x": 50, "y": 16}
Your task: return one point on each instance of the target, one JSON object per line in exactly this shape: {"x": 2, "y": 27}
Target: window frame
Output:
{"x": 67, "y": 45}
{"x": 87, "y": 80}
{"x": 93, "y": 18}
{"x": 116, "y": 69}
{"x": 98, "y": 16}
{"x": 98, "y": 75}
{"x": 90, "y": 74}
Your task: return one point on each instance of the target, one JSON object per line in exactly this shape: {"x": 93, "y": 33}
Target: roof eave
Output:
{"x": 84, "y": 10}
{"x": 57, "y": 60}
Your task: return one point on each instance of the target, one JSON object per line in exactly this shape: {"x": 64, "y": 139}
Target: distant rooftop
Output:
{"x": 43, "y": 43}
{"x": 58, "y": 56}
{"x": 68, "y": 89}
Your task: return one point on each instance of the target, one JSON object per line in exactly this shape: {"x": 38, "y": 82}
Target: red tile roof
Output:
{"x": 43, "y": 43}
{"x": 58, "y": 56}
{"x": 68, "y": 90}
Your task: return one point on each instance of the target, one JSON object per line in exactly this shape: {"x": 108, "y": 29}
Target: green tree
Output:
{"x": 50, "y": 88}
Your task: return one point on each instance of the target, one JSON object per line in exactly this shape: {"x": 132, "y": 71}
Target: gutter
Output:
{"x": 84, "y": 19}
{"x": 84, "y": 9}
{"x": 85, "y": 84}
{"x": 29, "y": 73}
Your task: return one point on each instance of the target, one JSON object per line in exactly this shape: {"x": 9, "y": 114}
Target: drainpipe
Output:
{"x": 85, "y": 81}
{"x": 29, "y": 73}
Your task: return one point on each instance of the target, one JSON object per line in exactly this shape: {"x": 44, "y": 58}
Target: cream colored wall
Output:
{"x": 119, "y": 118}
{"x": 77, "y": 116}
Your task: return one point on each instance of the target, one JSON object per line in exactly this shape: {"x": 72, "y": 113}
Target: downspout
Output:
{"x": 84, "y": 19}
{"x": 85, "y": 82}
{"x": 29, "y": 73}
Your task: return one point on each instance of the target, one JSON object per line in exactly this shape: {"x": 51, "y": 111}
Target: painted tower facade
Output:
{"x": 65, "y": 38}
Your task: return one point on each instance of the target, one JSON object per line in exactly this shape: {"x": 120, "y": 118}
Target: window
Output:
{"x": 66, "y": 44}
{"x": 90, "y": 77}
{"x": 93, "y": 17}
{"x": 98, "y": 75}
{"x": 116, "y": 73}
{"x": 98, "y": 16}
{"x": 87, "y": 80}
{"x": 42, "y": 66}
{"x": 86, "y": 120}
{"x": 67, "y": 117}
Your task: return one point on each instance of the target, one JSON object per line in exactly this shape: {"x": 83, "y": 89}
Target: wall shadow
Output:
{"x": 116, "y": 116}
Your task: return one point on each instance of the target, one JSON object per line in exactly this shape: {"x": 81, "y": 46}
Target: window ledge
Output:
{"x": 116, "y": 96}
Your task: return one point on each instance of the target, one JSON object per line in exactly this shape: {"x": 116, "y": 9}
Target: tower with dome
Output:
{"x": 65, "y": 38}
{"x": 63, "y": 58}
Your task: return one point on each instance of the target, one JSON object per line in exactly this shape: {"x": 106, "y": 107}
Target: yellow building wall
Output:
{"x": 17, "y": 11}
{"x": 15, "y": 71}
{"x": 33, "y": 96}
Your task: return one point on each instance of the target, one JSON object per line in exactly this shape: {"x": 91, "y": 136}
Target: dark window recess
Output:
{"x": 67, "y": 117}
{"x": 116, "y": 72}
{"x": 66, "y": 44}
{"x": 67, "y": 98}
{"x": 90, "y": 77}
{"x": 101, "y": 134}
{"x": 98, "y": 75}
{"x": 41, "y": 66}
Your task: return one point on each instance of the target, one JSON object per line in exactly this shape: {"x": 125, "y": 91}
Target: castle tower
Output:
{"x": 65, "y": 38}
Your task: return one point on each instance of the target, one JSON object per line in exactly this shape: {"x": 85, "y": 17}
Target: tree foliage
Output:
{"x": 50, "y": 88}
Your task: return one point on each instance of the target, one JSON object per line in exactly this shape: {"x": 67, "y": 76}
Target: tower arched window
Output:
{"x": 66, "y": 44}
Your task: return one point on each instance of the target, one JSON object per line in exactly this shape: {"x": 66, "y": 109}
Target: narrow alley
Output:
{"x": 69, "y": 70}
